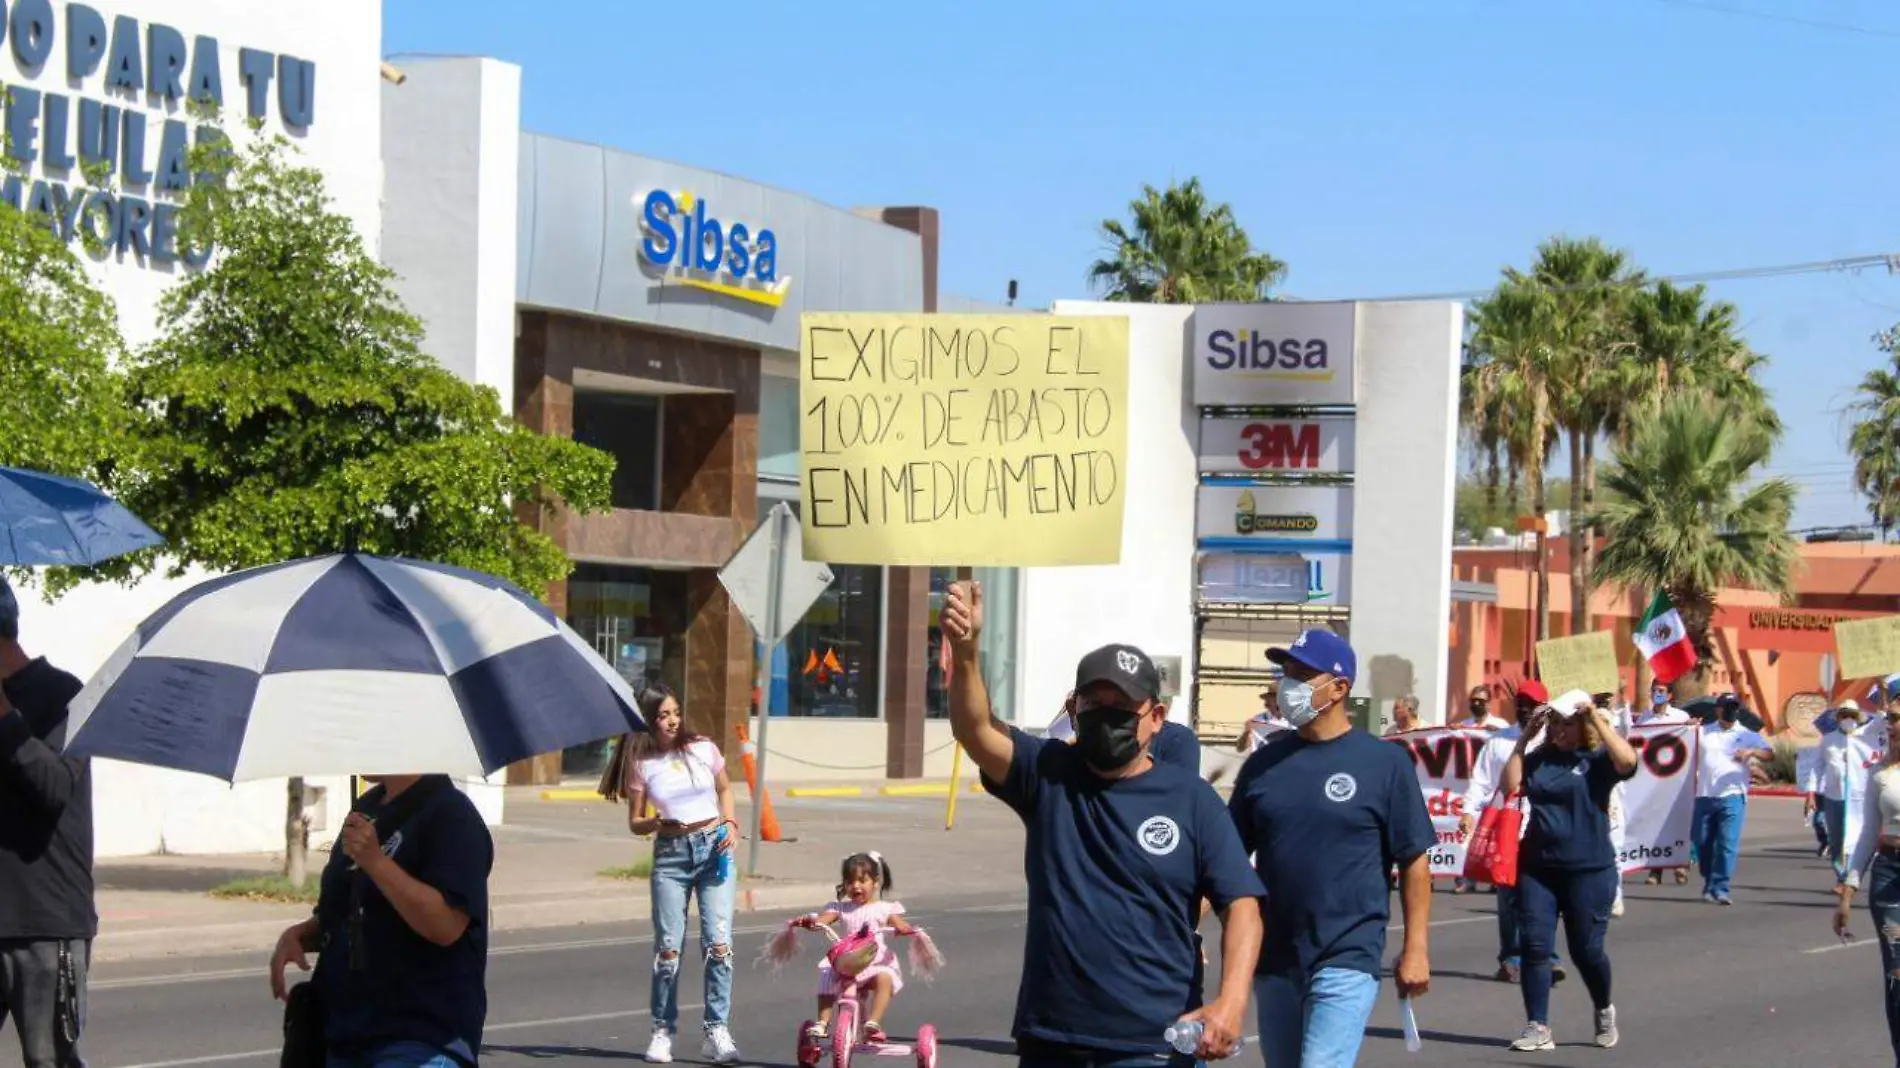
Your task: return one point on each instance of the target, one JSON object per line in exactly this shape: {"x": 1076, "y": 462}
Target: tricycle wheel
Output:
{"x": 844, "y": 1033}
{"x": 926, "y": 1047}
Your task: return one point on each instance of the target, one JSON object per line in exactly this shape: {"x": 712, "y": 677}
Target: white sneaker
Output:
{"x": 1606, "y": 1028}
{"x": 719, "y": 1048}
{"x": 660, "y": 1050}
{"x": 1616, "y": 910}
{"x": 1535, "y": 1037}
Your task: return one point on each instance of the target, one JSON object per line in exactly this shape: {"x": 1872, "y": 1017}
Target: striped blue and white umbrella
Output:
{"x": 349, "y": 664}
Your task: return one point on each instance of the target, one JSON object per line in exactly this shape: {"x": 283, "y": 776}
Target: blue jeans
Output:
{"x": 394, "y": 1055}
{"x": 1316, "y": 1025}
{"x": 1717, "y": 834}
{"x": 1883, "y": 902}
{"x": 1510, "y": 942}
{"x": 683, "y": 868}
{"x": 1583, "y": 900}
{"x": 1834, "y": 818}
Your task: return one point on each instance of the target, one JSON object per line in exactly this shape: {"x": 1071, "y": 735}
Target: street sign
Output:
{"x": 773, "y": 586}
{"x": 776, "y": 548}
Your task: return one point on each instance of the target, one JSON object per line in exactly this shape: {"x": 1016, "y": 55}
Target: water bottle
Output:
{"x": 1410, "y": 1017}
{"x": 1184, "y": 1036}
{"x": 723, "y": 870}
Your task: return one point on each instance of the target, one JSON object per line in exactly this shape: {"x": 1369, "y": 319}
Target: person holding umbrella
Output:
{"x": 47, "y": 917}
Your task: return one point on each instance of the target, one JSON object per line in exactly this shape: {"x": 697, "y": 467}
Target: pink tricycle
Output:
{"x": 849, "y": 956}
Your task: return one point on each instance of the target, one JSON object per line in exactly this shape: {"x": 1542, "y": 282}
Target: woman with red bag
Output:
{"x": 1566, "y": 863}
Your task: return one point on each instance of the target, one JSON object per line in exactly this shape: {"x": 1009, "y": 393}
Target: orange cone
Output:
{"x": 768, "y": 823}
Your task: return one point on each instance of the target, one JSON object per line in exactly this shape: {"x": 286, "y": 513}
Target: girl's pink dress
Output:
{"x": 877, "y": 914}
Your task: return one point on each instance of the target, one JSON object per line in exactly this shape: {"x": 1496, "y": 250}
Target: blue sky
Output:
{"x": 1380, "y": 147}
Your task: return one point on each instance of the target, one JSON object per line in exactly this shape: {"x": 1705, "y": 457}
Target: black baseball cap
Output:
{"x": 1124, "y": 667}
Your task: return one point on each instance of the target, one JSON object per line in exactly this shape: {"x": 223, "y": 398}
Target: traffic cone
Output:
{"x": 768, "y": 823}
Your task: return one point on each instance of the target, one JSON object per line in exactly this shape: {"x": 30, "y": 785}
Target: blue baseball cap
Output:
{"x": 1320, "y": 650}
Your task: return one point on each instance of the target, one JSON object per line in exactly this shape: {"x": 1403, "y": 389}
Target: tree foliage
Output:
{"x": 287, "y": 409}
{"x": 1874, "y": 440}
{"x": 1686, "y": 511}
{"x": 60, "y": 404}
{"x": 1178, "y": 249}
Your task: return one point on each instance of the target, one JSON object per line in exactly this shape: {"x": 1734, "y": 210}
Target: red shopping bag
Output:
{"x": 1491, "y": 855}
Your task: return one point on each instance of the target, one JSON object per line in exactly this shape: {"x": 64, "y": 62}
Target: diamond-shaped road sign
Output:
{"x": 749, "y": 574}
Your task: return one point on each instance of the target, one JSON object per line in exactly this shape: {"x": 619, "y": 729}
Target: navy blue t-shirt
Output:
{"x": 1326, "y": 821}
{"x": 1569, "y": 792}
{"x": 1177, "y": 744}
{"x": 408, "y": 988}
{"x": 1116, "y": 871}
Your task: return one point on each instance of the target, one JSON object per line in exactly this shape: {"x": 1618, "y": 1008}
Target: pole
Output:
{"x": 779, "y": 514}
{"x": 956, "y": 770}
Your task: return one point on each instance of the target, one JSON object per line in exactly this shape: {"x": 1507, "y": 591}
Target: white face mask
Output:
{"x": 1296, "y": 703}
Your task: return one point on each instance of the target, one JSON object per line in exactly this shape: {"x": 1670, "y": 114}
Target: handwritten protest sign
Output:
{"x": 1868, "y": 647}
{"x": 1584, "y": 662}
{"x": 987, "y": 440}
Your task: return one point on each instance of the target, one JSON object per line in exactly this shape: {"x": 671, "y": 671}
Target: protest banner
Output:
{"x": 1658, "y": 802}
{"x": 1584, "y": 662}
{"x": 1869, "y": 648}
{"x": 987, "y": 440}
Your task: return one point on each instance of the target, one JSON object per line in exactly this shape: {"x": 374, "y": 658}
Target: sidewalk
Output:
{"x": 547, "y": 859}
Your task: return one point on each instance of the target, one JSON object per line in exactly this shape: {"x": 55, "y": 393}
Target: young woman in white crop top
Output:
{"x": 1878, "y": 844}
{"x": 682, "y": 776}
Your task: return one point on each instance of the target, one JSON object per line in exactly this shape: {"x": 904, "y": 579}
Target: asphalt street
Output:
{"x": 1763, "y": 983}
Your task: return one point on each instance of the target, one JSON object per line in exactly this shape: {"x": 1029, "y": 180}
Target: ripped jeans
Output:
{"x": 683, "y": 868}
{"x": 1883, "y": 902}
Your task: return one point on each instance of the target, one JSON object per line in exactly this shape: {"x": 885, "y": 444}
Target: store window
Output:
{"x": 828, "y": 665}
{"x": 625, "y": 426}
{"x": 635, "y": 618}
{"x": 998, "y": 644}
{"x": 778, "y": 427}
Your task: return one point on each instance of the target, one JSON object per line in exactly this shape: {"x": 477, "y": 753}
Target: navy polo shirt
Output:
{"x": 1177, "y": 744}
{"x": 1569, "y": 794}
{"x": 408, "y": 988}
{"x": 1116, "y": 870}
{"x": 1326, "y": 821}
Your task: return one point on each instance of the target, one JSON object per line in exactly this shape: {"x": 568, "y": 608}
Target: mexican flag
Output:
{"x": 1664, "y": 642}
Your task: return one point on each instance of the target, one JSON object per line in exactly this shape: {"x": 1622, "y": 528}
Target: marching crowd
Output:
{"x": 1127, "y": 848}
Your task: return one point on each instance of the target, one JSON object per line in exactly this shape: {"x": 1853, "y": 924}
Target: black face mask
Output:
{"x": 1108, "y": 737}
{"x": 1480, "y": 708}
{"x": 1730, "y": 715}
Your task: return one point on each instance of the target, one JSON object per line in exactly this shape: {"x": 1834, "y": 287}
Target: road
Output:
{"x": 1761, "y": 984}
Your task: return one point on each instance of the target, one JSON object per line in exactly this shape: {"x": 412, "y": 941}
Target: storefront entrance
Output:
{"x": 635, "y": 618}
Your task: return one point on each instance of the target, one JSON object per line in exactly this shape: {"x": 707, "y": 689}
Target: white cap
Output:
{"x": 1566, "y": 703}
{"x": 1850, "y": 705}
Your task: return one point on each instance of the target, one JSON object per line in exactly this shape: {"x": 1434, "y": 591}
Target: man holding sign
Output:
{"x": 1120, "y": 850}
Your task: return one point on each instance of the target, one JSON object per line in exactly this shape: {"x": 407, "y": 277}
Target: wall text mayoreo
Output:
{"x": 912, "y": 356}
{"x": 151, "y": 67}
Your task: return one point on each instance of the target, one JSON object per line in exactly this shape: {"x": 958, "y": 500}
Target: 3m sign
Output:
{"x": 1243, "y": 445}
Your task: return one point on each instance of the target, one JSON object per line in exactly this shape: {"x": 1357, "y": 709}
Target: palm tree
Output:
{"x": 1590, "y": 288}
{"x": 1875, "y": 442}
{"x": 1179, "y": 249}
{"x": 1508, "y": 386}
{"x": 1683, "y": 511}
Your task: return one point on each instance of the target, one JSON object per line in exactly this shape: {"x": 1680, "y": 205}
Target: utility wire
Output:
{"x": 1888, "y": 260}
{"x": 1793, "y": 20}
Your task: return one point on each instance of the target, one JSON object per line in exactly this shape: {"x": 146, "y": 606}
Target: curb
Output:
{"x": 931, "y": 789}
{"x": 571, "y": 794}
{"x": 552, "y": 909}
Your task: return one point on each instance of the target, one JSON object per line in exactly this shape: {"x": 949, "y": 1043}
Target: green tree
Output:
{"x": 1874, "y": 440}
{"x": 1685, "y": 510}
{"x": 288, "y": 411}
{"x": 1509, "y": 389}
{"x": 60, "y": 405}
{"x": 1179, "y": 249}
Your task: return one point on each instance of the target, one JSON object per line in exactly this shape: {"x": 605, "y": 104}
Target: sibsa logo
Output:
{"x": 1341, "y": 788}
{"x": 1159, "y": 835}
{"x": 1248, "y": 350}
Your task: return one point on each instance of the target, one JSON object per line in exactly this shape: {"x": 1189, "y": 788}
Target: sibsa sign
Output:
{"x": 1322, "y": 446}
{"x": 1275, "y": 354}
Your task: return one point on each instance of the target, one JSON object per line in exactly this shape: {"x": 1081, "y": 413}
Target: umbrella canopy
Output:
{"x": 47, "y": 520}
{"x": 349, "y": 664}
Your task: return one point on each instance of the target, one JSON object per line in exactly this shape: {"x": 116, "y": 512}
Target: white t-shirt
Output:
{"x": 1880, "y": 814}
{"x": 681, "y": 784}
{"x": 1263, "y": 728}
{"x": 1722, "y": 775}
{"x": 1846, "y": 763}
{"x": 1669, "y": 716}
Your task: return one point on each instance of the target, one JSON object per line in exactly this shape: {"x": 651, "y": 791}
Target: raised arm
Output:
{"x": 972, "y": 723}
{"x": 1513, "y": 777}
{"x": 1622, "y": 753}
